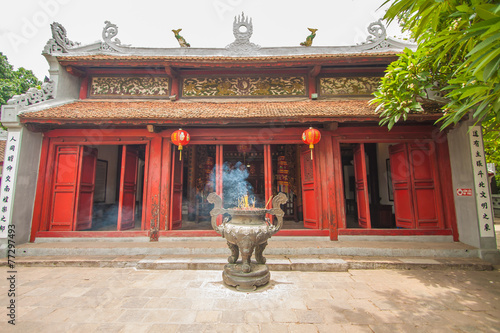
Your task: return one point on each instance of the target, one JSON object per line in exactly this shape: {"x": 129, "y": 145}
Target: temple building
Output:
{"x": 90, "y": 154}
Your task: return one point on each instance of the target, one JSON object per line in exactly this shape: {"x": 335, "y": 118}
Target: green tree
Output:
{"x": 455, "y": 69}
{"x": 458, "y": 57}
{"x": 14, "y": 82}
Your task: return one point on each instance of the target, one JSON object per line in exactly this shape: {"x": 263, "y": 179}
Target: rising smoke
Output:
{"x": 236, "y": 185}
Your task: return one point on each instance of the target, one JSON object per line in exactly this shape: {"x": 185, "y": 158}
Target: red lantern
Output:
{"x": 180, "y": 138}
{"x": 311, "y": 137}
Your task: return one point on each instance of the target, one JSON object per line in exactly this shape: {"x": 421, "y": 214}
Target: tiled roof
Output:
{"x": 222, "y": 58}
{"x": 92, "y": 111}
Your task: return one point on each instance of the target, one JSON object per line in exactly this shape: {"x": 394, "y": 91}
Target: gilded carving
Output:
{"x": 244, "y": 86}
{"x": 129, "y": 86}
{"x": 331, "y": 86}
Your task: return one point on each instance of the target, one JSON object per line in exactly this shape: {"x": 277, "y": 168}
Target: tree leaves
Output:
{"x": 14, "y": 82}
{"x": 459, "y": 50}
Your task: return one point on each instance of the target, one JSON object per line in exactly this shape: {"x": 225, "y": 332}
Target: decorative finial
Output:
{"x": 309, "y": 39}
{"x": 242, "y": 31}
{"x": 180, "y": 39}
{"x": 59, "y": 41}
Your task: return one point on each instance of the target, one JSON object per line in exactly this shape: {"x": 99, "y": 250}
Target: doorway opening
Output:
{"x": 196, "y": 181}
{"x": 243, "y": 182}
{"x": 119, "y": 179}
{"x": 98, "y": 188}
{"x": 287, "y": 179}
{"x": 391, "y": 186}
{"x": 367, "y": 186}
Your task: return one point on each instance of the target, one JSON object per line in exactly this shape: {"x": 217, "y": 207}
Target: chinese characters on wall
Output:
{"x": 8, "y": 177}
{"x": 481, "y": 184}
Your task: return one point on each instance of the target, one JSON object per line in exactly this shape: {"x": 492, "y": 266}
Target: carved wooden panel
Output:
{"x": 335, "y": 86}
{"x": 244, "y": 86}
{"x": 137, "y": 86}
{"x": 308, "y": 168}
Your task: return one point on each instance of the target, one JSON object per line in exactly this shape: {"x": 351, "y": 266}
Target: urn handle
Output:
{"x": 217, "y": 201}
{"x": 276, "y": 210}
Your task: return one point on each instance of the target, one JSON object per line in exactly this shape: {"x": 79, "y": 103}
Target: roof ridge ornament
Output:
{"x": 59, "y": 41}
{"x": 378, "y": 36}
{"x": 109, "y": 31}
{"x": 242, "y": 31}
{"x": 180, "y": 39}
{"x": 34, "y": 95}
{"x": 309, "y": 39}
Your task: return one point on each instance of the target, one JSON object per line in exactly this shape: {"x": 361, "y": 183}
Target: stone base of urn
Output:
{"x": 258, "y": 276}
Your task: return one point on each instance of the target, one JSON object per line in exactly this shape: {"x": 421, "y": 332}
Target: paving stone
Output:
{"x": 399, "y": 301}
{"x": 302, "y": 328}
{"x": 163, "y": 328}
{"x": 274, "y": 328}
{"x": 208, "y": 316}
{"x": 233, "y": 317}
{"x": 257, "y": 317}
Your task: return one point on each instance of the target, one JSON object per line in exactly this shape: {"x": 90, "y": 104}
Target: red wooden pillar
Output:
{"x": 84, "y": 88}
{"x": 219, "y": 168}
{"x": 268, "y": 178}
{"x": 152, "y": 179}
{"x": 162, "y": 199}
{"x": 175, "y": 87}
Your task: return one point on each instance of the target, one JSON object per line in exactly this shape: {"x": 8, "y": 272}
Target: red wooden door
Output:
{"x": 360, "y": 176}
{"x": 309, "y": 197}
{"x": 425, "y": 199}
{"x": 128, "y": 188}
{"x": 65, "y": 188}
{"x": 85, "y": 197}
{"x": 402, "y": 186}
{"x": 176, "y": 191}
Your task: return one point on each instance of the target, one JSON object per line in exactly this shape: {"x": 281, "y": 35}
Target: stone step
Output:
{"x": 276, "y": 263}
{"x": 278, "y": 246}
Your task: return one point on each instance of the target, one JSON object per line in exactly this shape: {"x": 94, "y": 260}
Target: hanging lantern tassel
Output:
{"x": 311, "y": 137}
{"x": 180, "y": 138}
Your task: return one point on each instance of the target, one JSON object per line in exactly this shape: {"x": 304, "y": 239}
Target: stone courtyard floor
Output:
{"x": 87, "y": 299}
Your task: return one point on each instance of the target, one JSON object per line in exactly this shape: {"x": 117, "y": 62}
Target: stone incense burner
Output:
{"x": 246, "y": 231}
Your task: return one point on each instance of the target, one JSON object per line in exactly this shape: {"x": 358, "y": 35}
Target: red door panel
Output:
{"x": 309, "y": 197}
{"x": 64, "y": 189}
{"x": 176, "y": 191}
{"x": 128, "y": 188}
{"x": 416, "y": 202}
{"x": 401, "y": 184}
{"x": 426, "y": 200}
{"x": 360, "y": 175}
{"x": 88, "y": 158}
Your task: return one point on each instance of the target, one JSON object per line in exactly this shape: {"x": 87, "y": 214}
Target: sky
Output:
{"x": 25, "y": 24}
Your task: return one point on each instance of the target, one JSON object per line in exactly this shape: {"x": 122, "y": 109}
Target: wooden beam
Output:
{"x": 315, "y": 71}
{"x": 172, "y": 72}
{"x": 75, "y": 72}
{"x": 332, "y": 126}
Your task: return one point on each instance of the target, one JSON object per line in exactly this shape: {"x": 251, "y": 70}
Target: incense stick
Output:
{"x": 268, "y": 202}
